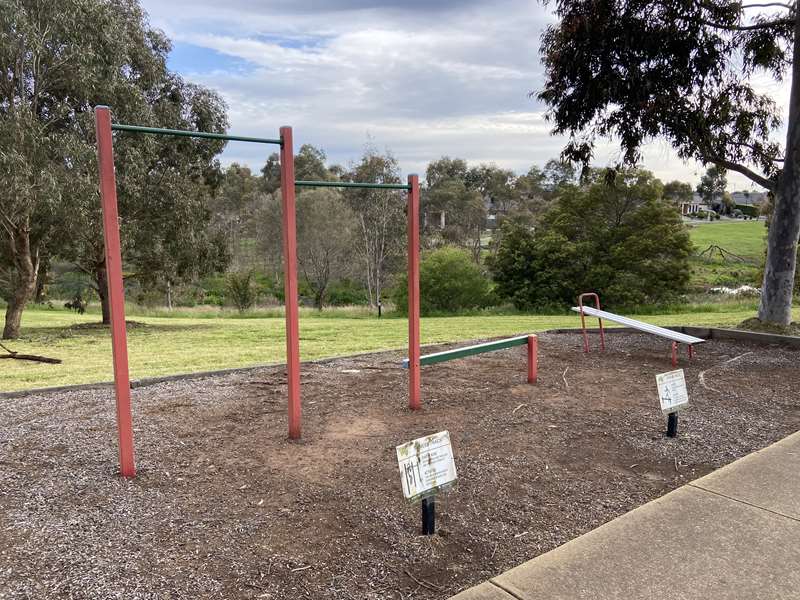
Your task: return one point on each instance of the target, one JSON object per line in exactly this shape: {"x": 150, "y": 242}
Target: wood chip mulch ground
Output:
{"x": 225, "y": 507}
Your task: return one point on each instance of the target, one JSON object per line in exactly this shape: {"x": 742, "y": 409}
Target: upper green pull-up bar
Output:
{"x": 194, "y": 134}
{"x": 353, "y": 184}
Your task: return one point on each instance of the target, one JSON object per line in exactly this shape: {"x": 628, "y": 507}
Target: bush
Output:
{"x": 241, "y": 290}
{"x": 346, "y": 292}
{"x": 621, "y": 241}
{"x": 449, "y": 281}
{"x": 746, "y": 209}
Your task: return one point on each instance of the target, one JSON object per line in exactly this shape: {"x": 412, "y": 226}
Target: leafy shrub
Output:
{"x": 622, "y": 241}
{"x": 746, "y": 209}
{"x": 241, "y": 289}
{"x": 449, "y": 281}
{"x": 346, "y": 292}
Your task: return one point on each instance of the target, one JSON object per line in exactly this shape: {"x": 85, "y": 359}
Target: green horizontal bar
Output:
{"x": 194, "y": 134}
{"x": 352, "y": 184}
{"x": 430, "y": 359}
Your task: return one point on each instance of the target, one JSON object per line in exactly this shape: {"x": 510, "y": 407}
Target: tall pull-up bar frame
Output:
{"x": 116, "y": 293}
{"x": 412, "y": 187}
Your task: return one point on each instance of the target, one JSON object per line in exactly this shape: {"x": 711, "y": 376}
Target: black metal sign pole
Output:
{"x": 428, "y": 516}
{"x": 672, "y": 424}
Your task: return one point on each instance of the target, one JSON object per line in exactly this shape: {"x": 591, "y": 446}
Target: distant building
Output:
{"x": 749, "y": 198}
{"x": 696, "y": 205}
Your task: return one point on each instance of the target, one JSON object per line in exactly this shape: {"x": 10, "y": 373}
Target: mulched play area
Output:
{"x": 225, "y": 507}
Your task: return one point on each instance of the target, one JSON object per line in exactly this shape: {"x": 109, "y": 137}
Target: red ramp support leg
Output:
{"x": 533, "y": 359}
{"x": 116, "y": 292}
{"x": 414, "y": 383}
{"x": 290, "y": 282}
{"x": 599, "y": 321}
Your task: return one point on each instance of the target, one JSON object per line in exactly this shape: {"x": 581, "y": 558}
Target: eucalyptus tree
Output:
{"x": 379, "y": 219}
{"x": 61, "y": 63}
{"x": 56, "y": 57}
{"x": 464, "y": 212}
{"x": 635, "y": 70}
{"x": 325, "y": 238}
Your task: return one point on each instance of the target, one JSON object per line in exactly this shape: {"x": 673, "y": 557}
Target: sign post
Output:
{"x": 426, "y": 468}
{"x": 673, "y": 396}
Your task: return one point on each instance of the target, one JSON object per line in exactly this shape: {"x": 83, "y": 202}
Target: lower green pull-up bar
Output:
{"x": 430, "y": 359}
{"x": 523, "y": 340}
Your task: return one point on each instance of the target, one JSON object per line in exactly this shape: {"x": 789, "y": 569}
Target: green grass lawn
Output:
{"x": 743, "y": 238}
{"x": 184, "y": 344}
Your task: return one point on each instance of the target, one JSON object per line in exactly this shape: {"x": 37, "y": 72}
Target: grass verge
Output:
{"x": 170, "y": 345}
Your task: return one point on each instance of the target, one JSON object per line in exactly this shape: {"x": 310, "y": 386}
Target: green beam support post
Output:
{"x": 193, "y": 134}
{"x": 354, "y": 184}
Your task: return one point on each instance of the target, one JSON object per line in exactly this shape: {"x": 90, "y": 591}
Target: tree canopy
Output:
{"x": 634, "y": 70}
{"x": 620, "y": 240}
{"x": 63, "y": 64}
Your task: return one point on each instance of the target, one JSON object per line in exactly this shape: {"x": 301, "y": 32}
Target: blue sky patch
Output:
{"x": 188, "y": 58}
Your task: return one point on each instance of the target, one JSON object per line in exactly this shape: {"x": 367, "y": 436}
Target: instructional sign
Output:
{"x": 426, "y": 465}
{"x": 672, "y": 391}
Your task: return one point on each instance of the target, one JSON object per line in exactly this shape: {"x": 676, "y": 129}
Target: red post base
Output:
{"x": 533, "y": 358}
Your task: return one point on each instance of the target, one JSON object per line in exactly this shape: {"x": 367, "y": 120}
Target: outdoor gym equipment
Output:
{"x": 675, "y": 336}
{"x": 412, "y": 187}
{"x": 530, "y": 340}
{"x": 116, "y": 294}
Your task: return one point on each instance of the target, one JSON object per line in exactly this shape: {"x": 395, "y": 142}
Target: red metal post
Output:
{"x": 290, "y": 283}
{"x": 674, "y": 354}
{"x": 691, "y": 352}
{"x": 599, "y": 321}
{"x": 533, "y": 358}
{"x": 116, "y": 292}
{"x": 414, "y": 383}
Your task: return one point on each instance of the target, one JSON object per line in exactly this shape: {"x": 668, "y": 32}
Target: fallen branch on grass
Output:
{"x": 723, "y": 254}
{"x": 32, "y": 357}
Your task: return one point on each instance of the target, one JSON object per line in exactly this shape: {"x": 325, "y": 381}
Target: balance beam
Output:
{"x": 675, "y": 336}
{"x": 522, "y": 340}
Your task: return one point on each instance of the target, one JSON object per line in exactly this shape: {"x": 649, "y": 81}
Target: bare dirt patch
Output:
{"x": 225, "y": 507}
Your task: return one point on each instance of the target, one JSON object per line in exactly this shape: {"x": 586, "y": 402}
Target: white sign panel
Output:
{"x": 672, "y": 391}
{"x": 426, "y": 465}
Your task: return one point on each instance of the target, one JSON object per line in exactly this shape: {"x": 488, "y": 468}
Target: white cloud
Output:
{"x": 422, "y": 78}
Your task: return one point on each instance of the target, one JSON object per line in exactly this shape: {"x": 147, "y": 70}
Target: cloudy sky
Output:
{"x": 423, "y": 78}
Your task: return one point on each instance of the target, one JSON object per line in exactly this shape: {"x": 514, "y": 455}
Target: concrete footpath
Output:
{"x": 734, "y": 533}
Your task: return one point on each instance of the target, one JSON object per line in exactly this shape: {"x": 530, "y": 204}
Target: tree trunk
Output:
{"x": 41, "y": 279}
{"x": 784, "y": 228}
{"x": 13, "y": 317}
{"x": 101, "y": 280}
{"x": 25, "y": 267}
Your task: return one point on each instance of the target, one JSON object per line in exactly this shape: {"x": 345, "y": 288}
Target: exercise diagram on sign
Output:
{"x": 426, "y": 465}
{"x": 672, "y": 391}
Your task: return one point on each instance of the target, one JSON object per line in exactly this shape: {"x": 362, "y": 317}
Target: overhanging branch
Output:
{"x": 753, "y": 27}
{"x": 749, "y": 173}
{"x": 768, "y": 5}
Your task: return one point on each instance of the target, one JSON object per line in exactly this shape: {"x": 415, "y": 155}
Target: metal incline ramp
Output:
{"x": 675, "y": 336}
